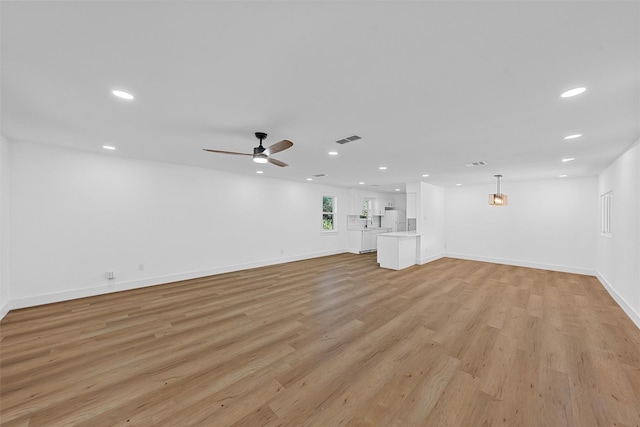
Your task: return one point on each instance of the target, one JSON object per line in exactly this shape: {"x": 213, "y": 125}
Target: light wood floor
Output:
{"x": 327, "y": 342}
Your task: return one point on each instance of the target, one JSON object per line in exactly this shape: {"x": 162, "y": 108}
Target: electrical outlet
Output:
{"x": 141, "y": 266}
{"x": 111, "y": 275}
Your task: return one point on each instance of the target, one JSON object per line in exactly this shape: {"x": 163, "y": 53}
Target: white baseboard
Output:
{"x": 421, "y": 261}
{"x": 102, "y": 289}
{"x": 6, "y": 307}
{"x": 134, "y": 284}
{"x": 633, "y": 315}
{"x": 551, "y": 267}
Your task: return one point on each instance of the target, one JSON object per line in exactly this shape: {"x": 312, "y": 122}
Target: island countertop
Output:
{"x": 400, "y": 234}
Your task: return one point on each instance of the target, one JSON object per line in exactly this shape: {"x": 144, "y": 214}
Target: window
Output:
{"x": 365, "y": 209}
{"x": 605, "y": 213}
{"x": 328, "y": 213}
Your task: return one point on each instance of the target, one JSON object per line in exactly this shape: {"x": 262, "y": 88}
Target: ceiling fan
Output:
{"x": 261, "y": 154}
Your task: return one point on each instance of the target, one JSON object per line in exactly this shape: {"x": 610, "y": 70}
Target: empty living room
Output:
{"x": 439, "y": 224}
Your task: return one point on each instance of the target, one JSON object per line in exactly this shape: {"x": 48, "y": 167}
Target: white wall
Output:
{"x": 618, "y": 256}
{"x": 548, "y": 224}
{"x": 4, "y": 227}
{"x": 431, "y": 222}
{"x": 76, "y": 215}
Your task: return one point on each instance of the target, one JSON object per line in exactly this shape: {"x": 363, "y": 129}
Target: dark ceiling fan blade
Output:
{"x": 277, "y": 147}
{"x": 228, "y": 152}
{"x": 277, "y": 162}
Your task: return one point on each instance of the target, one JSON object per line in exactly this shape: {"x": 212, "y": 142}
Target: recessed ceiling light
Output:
{"x": 309, "y": 179}
{"x": 574, "y": 136}
{"x": 568, "y": 159}
{"x": 397, "y": 189}
{"x": 562, "y": 176}
{"x": 573, "y": 92}
{"x": 122, "y": 94}
{"x": 108, "y": 147}
{"x": 424, "y": 175}
{"x": 333, "y": 153}
{"x": 458, "y": 185}
{"x": 259, "y": 172}
{"x": 383, "y": 168}
{"x": 361, "y": 183}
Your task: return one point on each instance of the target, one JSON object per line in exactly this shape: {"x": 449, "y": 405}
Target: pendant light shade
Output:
{"x": 498, "y": 199}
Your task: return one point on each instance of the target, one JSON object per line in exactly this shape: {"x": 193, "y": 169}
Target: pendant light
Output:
{"x": 498, "y": 199}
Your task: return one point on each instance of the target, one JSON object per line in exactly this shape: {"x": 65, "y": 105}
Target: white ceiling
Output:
{"x": 429, "y": 86}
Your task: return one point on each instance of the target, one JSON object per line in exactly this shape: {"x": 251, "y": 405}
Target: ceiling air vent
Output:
{"x": 474, "y": 164}
{"x": 348, "y": 139}
{"x": 319, "y": 175}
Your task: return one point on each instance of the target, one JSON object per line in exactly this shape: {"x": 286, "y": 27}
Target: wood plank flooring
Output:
{"x": 333, "y": 341}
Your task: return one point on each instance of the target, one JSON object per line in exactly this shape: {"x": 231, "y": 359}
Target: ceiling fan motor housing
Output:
{"x": 259, "y": 149}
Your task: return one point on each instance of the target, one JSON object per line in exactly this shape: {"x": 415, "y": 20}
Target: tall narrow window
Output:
{"x": 605, "y": 213}
{"x": 365, "y": 209}
{"x": 328, "y": 213}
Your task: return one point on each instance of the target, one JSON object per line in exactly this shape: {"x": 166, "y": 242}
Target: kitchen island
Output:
{"x": 398, "y": 250}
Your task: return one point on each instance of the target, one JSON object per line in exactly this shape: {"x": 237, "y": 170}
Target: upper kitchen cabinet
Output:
{"x": 368, "y": 204}
{"x": 380, "y": 205}
{"x": 388, "y": 203}
{"x": 356, "y": 204}
{"x": 375, "y": 207}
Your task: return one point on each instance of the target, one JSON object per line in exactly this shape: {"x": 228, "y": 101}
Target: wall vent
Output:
{"x": 348, "y": 139}
{"x": 474, "y": 164}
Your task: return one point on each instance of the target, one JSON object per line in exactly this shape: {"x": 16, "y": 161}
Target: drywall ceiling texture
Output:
{"x": 76, "y": 215}
{"x": 547, "y": 224}
{"x": 428, "y": 85}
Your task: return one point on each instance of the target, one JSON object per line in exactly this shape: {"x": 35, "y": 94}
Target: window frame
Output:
{"x": 333, "y": 213}
{"x": 606, "y": 211}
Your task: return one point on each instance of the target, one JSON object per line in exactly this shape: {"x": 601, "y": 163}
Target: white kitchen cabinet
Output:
{"x": 398, "y": 250}
{"x": 368, "y": 241}
{"x": 354, "y": 241}
{"x": 376, "y": 209}
{"x": 365, "y": 240}
{"x": 384, "y": 204}
{"x": 355, "y": 207}
{"x": 380, "y": 206}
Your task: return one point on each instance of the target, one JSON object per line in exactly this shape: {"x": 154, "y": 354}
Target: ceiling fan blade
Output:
{"x": 277, "y": 162}
{"x": 227, "y": 152}
{"x": 277, "y": 147}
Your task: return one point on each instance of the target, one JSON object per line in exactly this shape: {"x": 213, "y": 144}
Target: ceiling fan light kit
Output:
{"x": 261, "y": 154}
{"x": 498, "y": 199}
{"x": 260, "y": 158}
